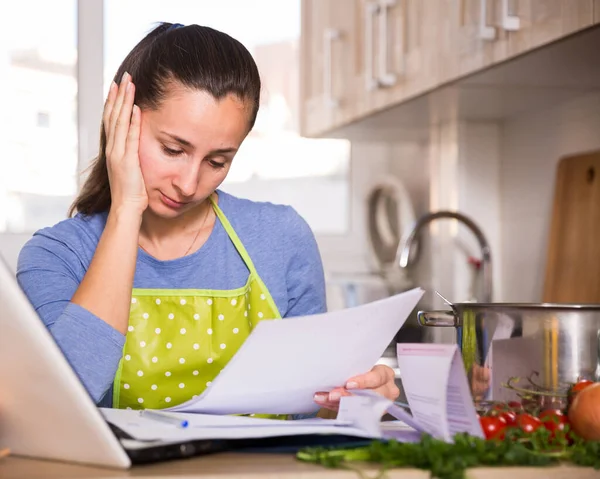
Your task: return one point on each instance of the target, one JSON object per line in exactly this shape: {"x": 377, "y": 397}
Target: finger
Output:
{"x": 392, "y": 391}
{"x": 116, "y": 110}
{"x": 389, "y": 391}
{"x": 133, "y": 137}
{"x": 376, "y": 377}
{"x": 108, "y": 106}
{"x": 332, "y": 396}
{"x": 330, "y": 400}
{"x": 123, "y": 122}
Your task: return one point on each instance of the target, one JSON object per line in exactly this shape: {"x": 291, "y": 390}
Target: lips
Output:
{"x": 171, "y": 202}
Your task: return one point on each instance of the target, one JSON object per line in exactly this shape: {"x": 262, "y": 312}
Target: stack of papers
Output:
{"x": 284, "y": 363}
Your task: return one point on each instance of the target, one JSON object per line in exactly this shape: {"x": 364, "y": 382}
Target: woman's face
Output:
{"x": 187, "y": 146}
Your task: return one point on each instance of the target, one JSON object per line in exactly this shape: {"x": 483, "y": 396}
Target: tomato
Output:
{"x": 499, "y": 407}
{"x": 551, "y": 414}
{"x": 554, "y": 420}
{"x": 509, "y": 418}
{"x": 581, "y": 385}
{"x": 493, "y": 427}
{"x": 528, "y": 423}
{"x": 515, "y": 405}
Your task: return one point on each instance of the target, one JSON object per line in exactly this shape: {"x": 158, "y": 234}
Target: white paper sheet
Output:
{"x": 205, "y": 426}
{"x": 503, "y": 330}
{"x": 437, "y": 390}
{"x": 284, "y": 363}
{"x": 359, "y": 416}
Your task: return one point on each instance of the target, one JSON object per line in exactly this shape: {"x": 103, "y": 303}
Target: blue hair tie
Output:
{"x": 174, "y": 26}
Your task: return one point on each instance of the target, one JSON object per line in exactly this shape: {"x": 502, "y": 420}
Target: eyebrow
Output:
{"x": 182, "y": 142}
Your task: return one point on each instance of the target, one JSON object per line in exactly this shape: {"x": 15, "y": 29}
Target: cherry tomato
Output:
{"x": 493, "y": 427}
{"x": 551, "y": 414}
{"x": 528, "y": 423}
{"x": 509, "y": 418}
{"x": 515, "y": 405}
{"x": 581, "y": 385}
{"x": 554, "y": 420}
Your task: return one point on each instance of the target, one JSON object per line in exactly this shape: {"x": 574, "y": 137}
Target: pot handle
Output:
{"x": 438, "y": 319}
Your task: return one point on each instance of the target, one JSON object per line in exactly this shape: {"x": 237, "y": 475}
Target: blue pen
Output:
{"x": 164, "y": 417}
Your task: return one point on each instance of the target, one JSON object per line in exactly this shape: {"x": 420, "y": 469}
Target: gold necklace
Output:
{"x": 200, "y": 229}
{"x": 195, "y": 237}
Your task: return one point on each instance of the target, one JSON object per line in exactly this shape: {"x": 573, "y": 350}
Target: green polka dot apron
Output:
{"x": 179, "y": 340}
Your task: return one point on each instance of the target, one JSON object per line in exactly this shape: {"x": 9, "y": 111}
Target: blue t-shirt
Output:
{"x": 54, "y": 261}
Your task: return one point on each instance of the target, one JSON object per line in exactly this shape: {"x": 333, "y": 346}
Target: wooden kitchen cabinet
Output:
{"x": 362, "y": 56}
{"x": 329, "y": 70}
{"x": 533, "y": 23}
{"x": 480, "y": 40}
{"x": 406, "y": 50}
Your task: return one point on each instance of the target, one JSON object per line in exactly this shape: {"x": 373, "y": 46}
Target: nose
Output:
{"x": 187, "y": 178}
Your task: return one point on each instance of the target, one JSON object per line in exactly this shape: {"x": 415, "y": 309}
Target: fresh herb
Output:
{"x": 451, "y": 460}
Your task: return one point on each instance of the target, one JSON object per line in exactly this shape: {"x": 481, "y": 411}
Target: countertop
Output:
{"x": 263, "y": 466}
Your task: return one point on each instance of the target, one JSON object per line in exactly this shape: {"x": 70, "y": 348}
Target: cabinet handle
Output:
{"x": 329, "y": 36}
{"x": 510, "y": 23}
{"x": 372, "y": 9}
{"x": 486, "y": 32}
{"x": 386, "y": 78}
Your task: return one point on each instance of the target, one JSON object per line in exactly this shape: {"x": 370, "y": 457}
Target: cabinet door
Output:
{"x": 480, "y": 42}
{"x": 328, "y": 67}
{"x": 596, "y": 11}
{"x": 400, "y": 50}
{"x": 533, "y": 23}
{"x": 380, "y": 52}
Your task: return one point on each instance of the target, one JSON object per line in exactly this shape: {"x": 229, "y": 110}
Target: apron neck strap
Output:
{"x": 233, "y": 237}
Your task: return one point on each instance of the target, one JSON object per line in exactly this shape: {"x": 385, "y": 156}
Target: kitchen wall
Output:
{"x": 499, "y": 173}
{"x": 531, "y": 147}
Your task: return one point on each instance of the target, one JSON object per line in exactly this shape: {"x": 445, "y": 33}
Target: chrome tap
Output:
{"x": 404, "y": 258}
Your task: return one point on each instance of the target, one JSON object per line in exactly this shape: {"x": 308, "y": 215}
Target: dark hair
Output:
{"x": 194, "y": 56}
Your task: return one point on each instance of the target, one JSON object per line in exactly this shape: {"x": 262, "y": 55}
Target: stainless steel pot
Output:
{"x": 562, "y": 340}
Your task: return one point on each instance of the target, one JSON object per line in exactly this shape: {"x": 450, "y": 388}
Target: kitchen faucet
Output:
{"x": 404, "y": 258}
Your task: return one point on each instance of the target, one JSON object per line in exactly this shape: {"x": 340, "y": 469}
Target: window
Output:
{"x": 274, "y": 164}
{"x": 38, "y": 164}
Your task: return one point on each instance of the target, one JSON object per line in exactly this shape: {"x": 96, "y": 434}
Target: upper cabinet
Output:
{"x": 330, "y": 69}
{"x": 533, "y": 23}
{"x": 362, "y": 56}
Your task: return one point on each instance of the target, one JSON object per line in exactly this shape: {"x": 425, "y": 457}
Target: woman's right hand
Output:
{"x": 121, "y": 120}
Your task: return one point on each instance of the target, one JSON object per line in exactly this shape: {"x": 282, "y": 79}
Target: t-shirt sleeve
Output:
{"x": 305, "y": 279}
{"x": 49, "y": 271}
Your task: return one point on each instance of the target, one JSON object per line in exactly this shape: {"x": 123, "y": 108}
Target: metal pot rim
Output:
{"x": 541, "y": 306}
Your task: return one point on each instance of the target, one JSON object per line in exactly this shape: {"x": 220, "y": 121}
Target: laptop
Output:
{"x": 46, "y": 413}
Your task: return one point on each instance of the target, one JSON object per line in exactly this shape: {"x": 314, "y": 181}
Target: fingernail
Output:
{"x": 113, "y": 85}
{"x": 335, "y": 396}
{"x": 124, "y": 77}
{"x": 319, "y": 398}
{"x": 352, "y": 385}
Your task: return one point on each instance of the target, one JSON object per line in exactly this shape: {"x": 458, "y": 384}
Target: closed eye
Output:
{"x": 171, "y": 151}
{"x": 216, "y": 164}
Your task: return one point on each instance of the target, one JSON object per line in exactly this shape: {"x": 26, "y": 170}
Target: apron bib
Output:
{"x": 179, "y": 340}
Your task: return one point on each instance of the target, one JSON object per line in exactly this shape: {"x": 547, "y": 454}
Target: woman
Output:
{"x": 156, "y": 281}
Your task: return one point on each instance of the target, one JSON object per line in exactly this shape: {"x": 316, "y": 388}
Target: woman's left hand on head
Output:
{"x": 380, "y": 379}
